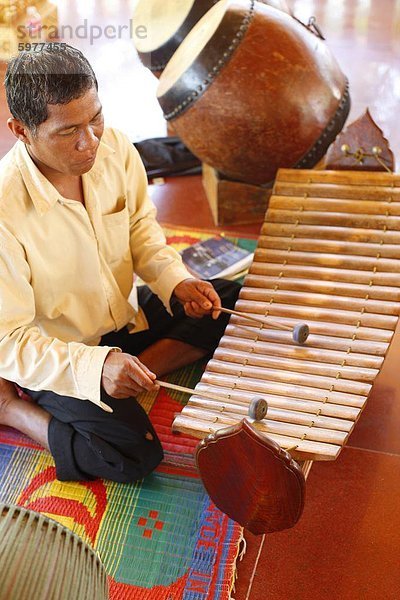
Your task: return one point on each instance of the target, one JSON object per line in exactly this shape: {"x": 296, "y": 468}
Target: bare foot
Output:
{"x": 25, "y": 416}
{"x": 8, "y": 393}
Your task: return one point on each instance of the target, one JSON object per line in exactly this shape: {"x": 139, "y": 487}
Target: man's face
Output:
{"x": 68, "y": 140}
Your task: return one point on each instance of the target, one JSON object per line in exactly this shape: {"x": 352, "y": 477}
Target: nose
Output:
{"x": 87, "y": 141}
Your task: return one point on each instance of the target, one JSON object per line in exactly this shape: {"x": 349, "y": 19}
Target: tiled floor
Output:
{"x": 346, "y": 546}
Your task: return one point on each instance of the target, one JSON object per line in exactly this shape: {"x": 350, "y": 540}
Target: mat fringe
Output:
{"x": 240, "y": 555}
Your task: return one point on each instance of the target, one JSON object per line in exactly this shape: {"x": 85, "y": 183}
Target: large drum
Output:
{"x": 251, "y": 90}
{"x": 168, "y": 23}
{"x": 42, "y": 560}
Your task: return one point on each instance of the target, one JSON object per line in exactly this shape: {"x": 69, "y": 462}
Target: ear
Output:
{"x": 19, "y": 130}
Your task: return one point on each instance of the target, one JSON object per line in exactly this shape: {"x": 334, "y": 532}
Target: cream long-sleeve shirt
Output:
{"x": 67, "y": 272}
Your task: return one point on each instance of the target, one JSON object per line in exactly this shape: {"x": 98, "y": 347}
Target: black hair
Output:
{"x": 35, "y": 79}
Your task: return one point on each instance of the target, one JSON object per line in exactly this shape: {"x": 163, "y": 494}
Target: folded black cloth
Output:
{"x": 167, "y": 156}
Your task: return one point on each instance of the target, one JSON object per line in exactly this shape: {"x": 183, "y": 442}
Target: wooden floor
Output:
{"x": 346, "y": 547}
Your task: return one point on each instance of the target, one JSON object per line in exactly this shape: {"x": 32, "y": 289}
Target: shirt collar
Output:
{"x": 42, "y": 193}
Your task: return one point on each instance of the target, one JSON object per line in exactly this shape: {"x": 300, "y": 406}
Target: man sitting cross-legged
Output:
{"x": 76, "y": 225}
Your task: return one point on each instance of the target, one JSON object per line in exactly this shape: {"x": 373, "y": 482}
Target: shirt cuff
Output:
{"x": 88, "y": 367}
{"x": 167, "y": 282}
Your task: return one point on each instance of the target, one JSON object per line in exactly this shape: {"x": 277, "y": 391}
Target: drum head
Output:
{"x": 278, "y": 4}
{"x": 191, "y": 46}
{"x": 161, "y": 20}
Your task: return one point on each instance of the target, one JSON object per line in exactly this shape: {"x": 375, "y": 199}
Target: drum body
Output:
{"x": 168, "y": 23}
{"x": 251, "y": 90}
{"x": 40, "y": 559}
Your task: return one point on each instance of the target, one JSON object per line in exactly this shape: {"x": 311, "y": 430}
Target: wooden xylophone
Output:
{"x": 328, "y": 255}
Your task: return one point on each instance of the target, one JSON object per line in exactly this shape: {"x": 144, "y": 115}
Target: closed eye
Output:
{"x": 97, "y": 118}
{"x": 69, "y": 132}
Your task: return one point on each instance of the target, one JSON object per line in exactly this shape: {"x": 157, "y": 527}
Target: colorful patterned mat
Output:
{"x": 161, "y": 538}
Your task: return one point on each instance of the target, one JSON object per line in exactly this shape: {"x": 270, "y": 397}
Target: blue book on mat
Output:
{"x": 216, "y": 257}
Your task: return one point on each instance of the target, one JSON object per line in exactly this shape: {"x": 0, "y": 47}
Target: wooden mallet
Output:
{"x": 258, "y": 406}
{"x": 300, "y": 332}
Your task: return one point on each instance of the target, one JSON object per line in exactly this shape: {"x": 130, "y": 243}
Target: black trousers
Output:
{"x": 85, "y": 441}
